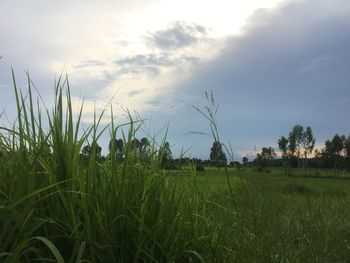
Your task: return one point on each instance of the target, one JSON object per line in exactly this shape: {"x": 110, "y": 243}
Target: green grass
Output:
{"x": 285, "y": 219}
{"x": 322, "y": 173}
{"x": 57, "y": 206}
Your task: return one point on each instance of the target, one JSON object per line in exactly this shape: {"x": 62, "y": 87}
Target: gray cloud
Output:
{"x": 163, "y": 59}
{"x": 178, "y": 35}
{"x": 291, "y": 65}
{"x": 145, "y": 60}
{"x": 151, "y": 63}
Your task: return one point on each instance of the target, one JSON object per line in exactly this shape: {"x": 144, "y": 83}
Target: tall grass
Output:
{"x": 57, "y": 206}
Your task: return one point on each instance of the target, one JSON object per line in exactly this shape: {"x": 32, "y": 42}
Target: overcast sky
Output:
{"x": 271, "y": 64}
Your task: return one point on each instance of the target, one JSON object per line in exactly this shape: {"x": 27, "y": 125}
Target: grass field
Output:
{"x": 279, "y": 218}
{"x": 58, "y": 206}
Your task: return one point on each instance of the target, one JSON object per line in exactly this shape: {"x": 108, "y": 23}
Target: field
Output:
{"x": 59, "y": 205}
{"x": 279, "y": 218}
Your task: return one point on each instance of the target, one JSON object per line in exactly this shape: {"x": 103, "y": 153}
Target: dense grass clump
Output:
{"x": 56, "y": 205}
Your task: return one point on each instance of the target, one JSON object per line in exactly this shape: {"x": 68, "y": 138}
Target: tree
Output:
{"x": 135, "y": 145}
{"x": 283, "y": 146}
{"x": 347, "y": 147}
{"x": 267, "y": 154}
{"x": 118, "y": 149}
{"x": 301, "y": 143}
{"x": 334, "y": 149}
{"x": 295, "y": 139}
{"x": 217, "y": 155}
{"x": 245, "y": 160}
{"x": 308, "y": 142}
{"x": 347, "y": 151}
{"x": 86, "y": 151}
{"x": 166, "y": 156}
{"x": 93, "y": 150}
{"x": 144, "y": 149}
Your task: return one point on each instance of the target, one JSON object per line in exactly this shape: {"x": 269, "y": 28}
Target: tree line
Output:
{"x": 142, "y": 149}
{"x": 297, "y": 150}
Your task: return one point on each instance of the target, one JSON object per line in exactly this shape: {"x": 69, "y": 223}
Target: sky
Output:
{"x": 271, "y": 64}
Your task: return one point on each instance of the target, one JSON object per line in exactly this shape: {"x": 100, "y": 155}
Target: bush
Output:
{"x": 199, "y": 168}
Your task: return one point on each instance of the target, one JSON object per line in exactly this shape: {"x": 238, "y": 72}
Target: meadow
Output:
{"x": 57, "y": 205}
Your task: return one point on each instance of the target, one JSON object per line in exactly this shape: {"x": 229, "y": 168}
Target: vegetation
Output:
{"x": 217, "y": 154}
{"x": 61, "y": 201}
{"x": 264, "y": 158}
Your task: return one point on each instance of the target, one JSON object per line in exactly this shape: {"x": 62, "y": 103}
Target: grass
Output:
{"x": 58, "y": 206}
{"x": 322, "y": 173}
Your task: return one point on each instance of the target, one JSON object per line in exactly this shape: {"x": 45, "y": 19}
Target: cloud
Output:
{"x": 289, "y": 66}
{"x": 178, "y": 35}
{"x": 162, "y": 59}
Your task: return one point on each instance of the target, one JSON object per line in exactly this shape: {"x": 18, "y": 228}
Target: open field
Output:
{"x": 61, "y": 202}
{"x": 176, "y": 216}
{"x": 280, "y": 218}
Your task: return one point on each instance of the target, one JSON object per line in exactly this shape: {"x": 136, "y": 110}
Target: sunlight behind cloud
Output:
{"x": 130, "y": 36}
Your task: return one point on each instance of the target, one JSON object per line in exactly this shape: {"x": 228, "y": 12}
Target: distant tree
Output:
{"x": 263, "y": 159}
{"x": 144, "y": 149}
{"x": 217, "y": 154}
{"x": 135, "y": 145}
{"x": 118, "y": 148}
{"x": 334, "y": 149}
{"x": 86, "y": 151}
{"x": 300, "y": 144}
{"x": 245, "y": 160}
{"x": 308, "y": 142}
{"x": 347, "y": 147}
{"x": 166, "y": 155}
{"x": 283, "y": 146}
{"x": 347, "y": 151}
{"x": 295, "y": 139}
{"x": 234, "y": 164}
{"x": 89, "y": 150}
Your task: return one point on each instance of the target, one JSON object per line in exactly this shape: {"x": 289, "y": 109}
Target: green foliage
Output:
{"x": 263, "y": 159}
{"x": 335, "y": 149}
{"x": 59, "y": 202}
{"x": 58, "y": 205}
{"x": 93, "y": 149}
{"x": 300, "y": 144}
{"x": 166, "y": 156}
{"x": 283, "y": 145}
{"x": 245, "y": 160}
{"x": 217, "y": 154}
{"x": 117, "y": 147}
